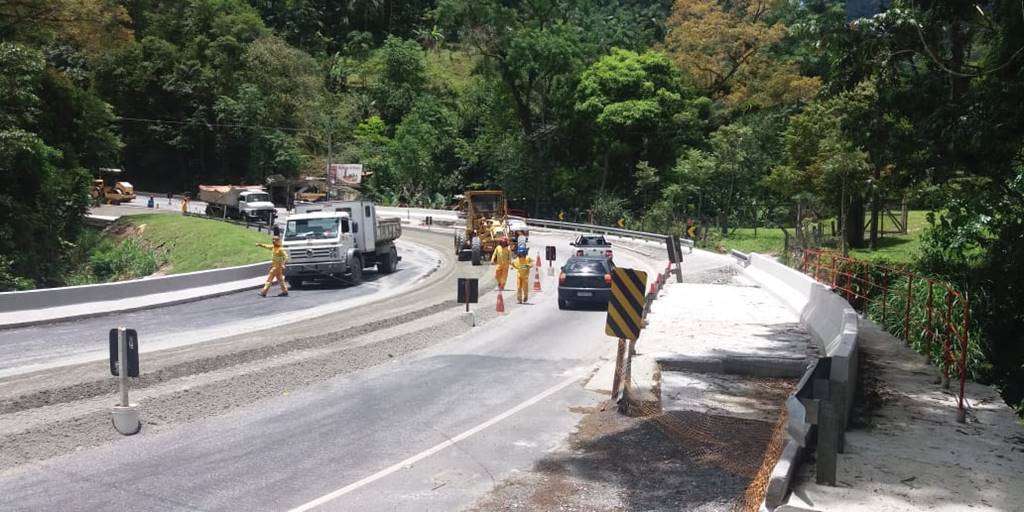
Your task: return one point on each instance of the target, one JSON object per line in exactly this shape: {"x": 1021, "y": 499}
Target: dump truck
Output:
{"x": 107, "y": 188}
{"x": 486, "y": 214}
{"x": 246, "y": 203}
{"x": 335, "y": 241}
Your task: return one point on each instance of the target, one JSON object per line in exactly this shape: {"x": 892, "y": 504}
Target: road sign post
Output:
{"x": 468, "y": 291}
{"x": 124, "y": 363}
{"x": 549, "y": 254}
{"x": 624, "y": 321}
{"x": 679, "y": 258}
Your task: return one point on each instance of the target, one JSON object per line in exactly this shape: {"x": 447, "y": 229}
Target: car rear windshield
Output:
{"x": 585, "y": 267}
{"x": 592, "y": 240}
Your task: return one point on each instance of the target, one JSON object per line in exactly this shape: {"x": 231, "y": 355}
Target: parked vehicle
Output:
{"x": 336, "y": 240}
{"x": 592, "y": 245}
{"x": 585, "y": 279}
{"x": 108, "y": 188}
{"x": 250, "y": 204}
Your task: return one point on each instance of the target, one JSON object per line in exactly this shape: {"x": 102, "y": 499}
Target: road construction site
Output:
{"x": 390, "y": 396}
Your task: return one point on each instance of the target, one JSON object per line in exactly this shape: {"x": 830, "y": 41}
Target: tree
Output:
{"x": 727, "y": 49}
{"x": 639, "y": 105}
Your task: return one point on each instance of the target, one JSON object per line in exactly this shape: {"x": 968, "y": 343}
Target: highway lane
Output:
{"x": 38, "y": 347}
{"x": 289, "y": 450}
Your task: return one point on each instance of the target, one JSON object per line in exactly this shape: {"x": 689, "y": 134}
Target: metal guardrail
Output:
{"x": 606, "y": 230}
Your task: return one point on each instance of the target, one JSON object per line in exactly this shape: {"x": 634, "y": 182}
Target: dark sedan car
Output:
{"x": 585, "y": 279}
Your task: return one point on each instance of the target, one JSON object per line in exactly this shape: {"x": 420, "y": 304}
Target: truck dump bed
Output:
{"x": 388, "y": 229}
{"x": 223, "y": 194}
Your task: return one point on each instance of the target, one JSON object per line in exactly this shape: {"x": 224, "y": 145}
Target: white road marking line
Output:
{"x": 430, "y": 451}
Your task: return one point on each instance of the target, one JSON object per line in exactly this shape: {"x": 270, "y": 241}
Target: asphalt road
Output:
{"x": 38, "y": 347}
{"x": 432, "y": 430}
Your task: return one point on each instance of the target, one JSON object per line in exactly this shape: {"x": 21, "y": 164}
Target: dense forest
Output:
{"x": 654, "y": 111}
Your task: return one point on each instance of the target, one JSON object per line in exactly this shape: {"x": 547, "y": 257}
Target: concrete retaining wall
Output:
{"x": 70, "y": 295}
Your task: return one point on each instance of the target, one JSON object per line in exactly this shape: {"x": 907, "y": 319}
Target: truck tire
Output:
{"x": 356, "y": 271}
{"x": 388, "y": 262}
{"x": 476, "y": 257}
{"x": 294, "y": 283}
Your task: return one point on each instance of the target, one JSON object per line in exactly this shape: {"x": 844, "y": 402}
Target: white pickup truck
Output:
{"x": 335, "y": 241}
{"x": 592, "y": 245}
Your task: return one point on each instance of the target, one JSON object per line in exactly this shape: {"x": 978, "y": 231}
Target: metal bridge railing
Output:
{"x": 939, "y": 318}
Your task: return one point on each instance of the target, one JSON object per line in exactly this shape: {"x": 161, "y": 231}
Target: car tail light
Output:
{"x": 579, "y": 252}
{"x": 608, "y": 279}
{"x": 608, "y": 254}
{"x": 561, "y": 278}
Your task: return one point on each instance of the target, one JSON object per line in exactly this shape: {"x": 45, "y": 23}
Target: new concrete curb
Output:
{"x": 95, "y": 314}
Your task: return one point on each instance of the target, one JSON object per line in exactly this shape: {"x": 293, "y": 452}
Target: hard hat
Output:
{"x": 522, "y": 250}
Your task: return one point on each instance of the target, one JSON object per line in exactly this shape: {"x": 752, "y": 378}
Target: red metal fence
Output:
{"x": 944, "y": 330}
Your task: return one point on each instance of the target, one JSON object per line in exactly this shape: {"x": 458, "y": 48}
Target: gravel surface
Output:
{"x": 618, "y": 463}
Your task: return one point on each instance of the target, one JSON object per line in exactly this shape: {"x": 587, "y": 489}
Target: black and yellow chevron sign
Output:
{"x": 626, "y": 307}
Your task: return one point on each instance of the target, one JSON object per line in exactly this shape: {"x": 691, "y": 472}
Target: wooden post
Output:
{"x": 627, "y": 376}
{"x": 617, "y": 377}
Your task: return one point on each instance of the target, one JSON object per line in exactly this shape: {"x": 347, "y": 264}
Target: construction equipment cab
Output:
{"x": 334, "y": 241}
{"x": 107, "y": 188}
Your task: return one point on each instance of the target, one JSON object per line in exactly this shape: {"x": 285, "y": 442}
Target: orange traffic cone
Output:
{"x": 538, "y": 259}
{"x": 500, "y": 306}
{"x": 536, "y": 281}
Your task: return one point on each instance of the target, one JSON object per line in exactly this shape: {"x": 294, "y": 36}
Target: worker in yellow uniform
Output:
{"x": 501, "y": 257}
{"x": 523, "y": 263}
{"x": 278, "y": 259}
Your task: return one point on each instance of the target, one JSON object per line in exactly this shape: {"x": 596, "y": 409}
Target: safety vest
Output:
{"x": 501, "y": 256}
{"x": 522, "y": 265}
{"x": 279, "y": 257}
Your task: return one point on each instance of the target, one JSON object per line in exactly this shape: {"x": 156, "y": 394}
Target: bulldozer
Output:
{"x": 486, "y": 214}
{"x": 108, "y": 189}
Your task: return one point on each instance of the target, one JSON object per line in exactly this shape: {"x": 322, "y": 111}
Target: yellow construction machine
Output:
{"x": 108, "y": 189}
{"x": 486, "y": 214}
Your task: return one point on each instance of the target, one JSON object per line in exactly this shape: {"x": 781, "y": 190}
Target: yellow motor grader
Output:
{"x": 486, "y": 214}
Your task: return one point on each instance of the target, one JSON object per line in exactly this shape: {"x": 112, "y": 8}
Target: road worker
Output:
{"x": 501, "y": 257}
{"x": 277, "y": 261}
{"x": 523, "y": 263}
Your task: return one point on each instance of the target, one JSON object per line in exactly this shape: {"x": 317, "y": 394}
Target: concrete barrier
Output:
{"x": 832, "y": 323}
{"x": 70, "y": 295}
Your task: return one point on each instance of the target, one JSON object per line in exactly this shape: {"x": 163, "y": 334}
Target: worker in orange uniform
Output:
{"x": 502, "y": 257}
{"x": 523, "y": 263}
{"x": 277, "y": 261}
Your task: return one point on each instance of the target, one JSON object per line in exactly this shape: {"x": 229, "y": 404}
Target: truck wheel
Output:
{"x": 476, "y": 257}
{"x": 356, "y": 270}
{"x": 389, "y": 262}
{"x": 294, "y": 283}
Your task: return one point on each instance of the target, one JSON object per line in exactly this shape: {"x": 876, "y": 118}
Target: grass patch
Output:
{"x": 188, "y": 244}
{"x": 891, "y": 247}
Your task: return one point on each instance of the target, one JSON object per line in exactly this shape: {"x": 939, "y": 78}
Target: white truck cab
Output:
{"x": 335, "y": 241}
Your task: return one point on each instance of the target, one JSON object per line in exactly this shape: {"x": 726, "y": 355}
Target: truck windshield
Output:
{"x": 312, "y": 229}
{"x": 257, "y": 198}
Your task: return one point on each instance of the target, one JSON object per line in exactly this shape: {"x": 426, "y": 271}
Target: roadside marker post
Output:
{"x": 625, "y": 320}
{"x": 124, "y": 363}
{"x": 549, "y": 254}
{"x": 468, "y": 291}
{"x": 675, "y": 255}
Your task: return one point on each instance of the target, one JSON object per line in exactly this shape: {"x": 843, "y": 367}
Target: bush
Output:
{"x": 895, "y": 305}
{"x": 128, "y": 259}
